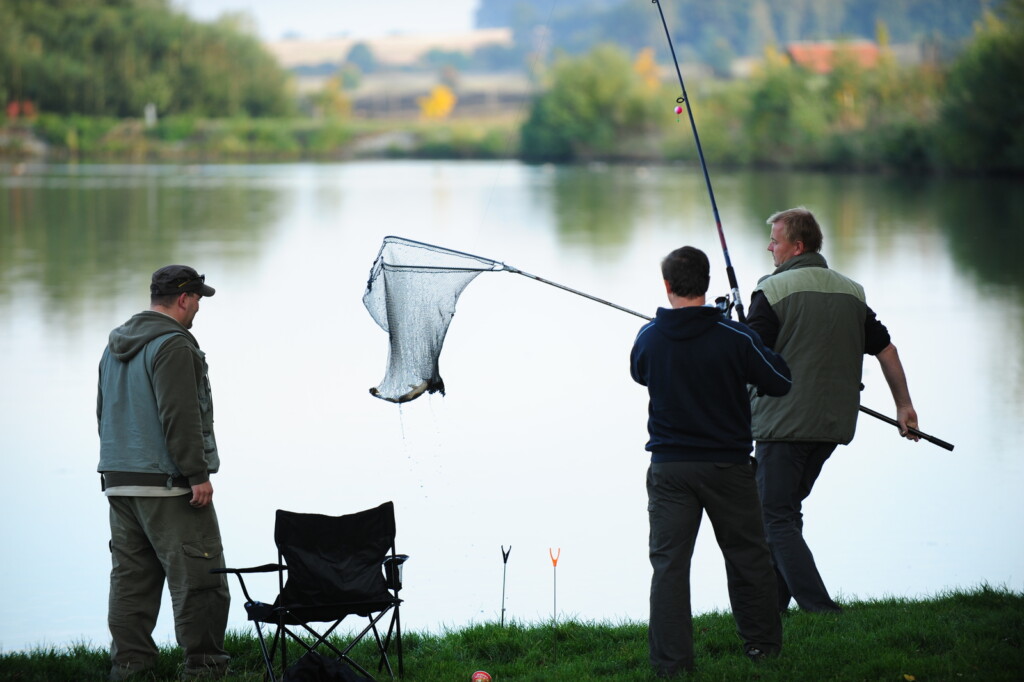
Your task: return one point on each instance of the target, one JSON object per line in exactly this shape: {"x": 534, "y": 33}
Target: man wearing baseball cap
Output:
{"x": 157, "y": 451}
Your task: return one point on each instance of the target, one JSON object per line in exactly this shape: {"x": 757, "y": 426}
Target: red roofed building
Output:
{"x": 821, "y": 57}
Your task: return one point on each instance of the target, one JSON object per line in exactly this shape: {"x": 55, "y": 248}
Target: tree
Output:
{"x": 713, "y": 28}
{"x": 439, "y": 103}
{"x": 983, "y": 110}
{"x": 594, "y": 104}
{"x": 331, "y": 101}
{"x": 113, "y": 57}
{"x": 647, "y": 69}
{"x": 785, "y": 117}
{"x": 498, "y": 58}
{"x": 361, "y": 55}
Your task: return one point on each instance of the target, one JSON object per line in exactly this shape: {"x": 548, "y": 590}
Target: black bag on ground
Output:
{"x": 313, "y": 667}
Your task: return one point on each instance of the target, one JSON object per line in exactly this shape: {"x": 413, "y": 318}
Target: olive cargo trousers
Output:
{"x": 158, "y": 538}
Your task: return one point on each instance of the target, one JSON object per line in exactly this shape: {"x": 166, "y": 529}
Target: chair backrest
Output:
{"x": 335, "y": 559}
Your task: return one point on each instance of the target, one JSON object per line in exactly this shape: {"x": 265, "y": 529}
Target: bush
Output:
{"x": 593, "y": 103}
{"x": 983, "y": 110}
{"x": 174, "y": 128}
{"x": 75, "y": 133}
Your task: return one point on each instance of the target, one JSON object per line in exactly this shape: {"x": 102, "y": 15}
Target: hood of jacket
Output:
{"x": 686, "y": 323}
{"x": 126, "y": 341}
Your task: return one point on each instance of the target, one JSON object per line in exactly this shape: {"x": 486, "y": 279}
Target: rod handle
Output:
{"x": 920, "y": 434}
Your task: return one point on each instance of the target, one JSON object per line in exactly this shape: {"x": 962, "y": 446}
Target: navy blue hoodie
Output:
{"x": 696, "y": 365}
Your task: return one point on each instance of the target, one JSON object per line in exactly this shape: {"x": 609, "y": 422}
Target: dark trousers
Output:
{"x": 678, "y": 493}
{"x": 786, "y": 472}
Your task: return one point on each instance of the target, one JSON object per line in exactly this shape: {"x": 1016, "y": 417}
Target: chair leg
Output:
{"x": 267, "y": 659}
{"x": 398, "y": 641}
{"x": 394, "y": 632}
{"x": 382, "y": 647}
{"x": 281, "y": 632}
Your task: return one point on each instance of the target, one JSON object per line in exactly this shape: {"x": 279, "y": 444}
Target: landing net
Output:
{"x": 411, "y": 294}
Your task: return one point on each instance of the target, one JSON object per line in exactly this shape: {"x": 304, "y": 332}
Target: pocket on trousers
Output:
{"x": 200, "y": 557}
{"x": 743, "y": 468}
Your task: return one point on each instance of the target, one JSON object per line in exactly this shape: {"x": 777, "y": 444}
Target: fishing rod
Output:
{"x": 920, "y": 434}
{"x": 737, "y": 302}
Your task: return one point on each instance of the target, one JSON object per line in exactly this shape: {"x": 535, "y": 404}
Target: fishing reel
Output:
{"x": 725, "y": 304}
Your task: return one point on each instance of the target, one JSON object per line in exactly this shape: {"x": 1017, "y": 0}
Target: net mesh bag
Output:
{"x": 411, "y": 294}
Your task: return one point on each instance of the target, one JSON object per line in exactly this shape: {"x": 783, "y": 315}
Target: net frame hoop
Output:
{"x": 395, "y": 239}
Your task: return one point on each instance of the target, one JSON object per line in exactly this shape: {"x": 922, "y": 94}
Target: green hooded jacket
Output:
{"x": 154, "y": 406}
{"x": 821, "y": 336}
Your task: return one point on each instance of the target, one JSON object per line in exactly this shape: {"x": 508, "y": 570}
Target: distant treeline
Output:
{"x": 113, "y": 57}
{"x": 715, "y": 32}
{"x": 967, "y": 115}
{"x": 89, "y": 68}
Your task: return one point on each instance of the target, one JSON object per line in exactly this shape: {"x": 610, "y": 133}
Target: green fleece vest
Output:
{"x": 132, "y": 439}
{"x": 821, "y": 336}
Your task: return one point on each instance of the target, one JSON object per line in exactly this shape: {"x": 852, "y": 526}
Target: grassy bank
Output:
{"x": 191, "y": 140}
{"x": 975, "y": 635}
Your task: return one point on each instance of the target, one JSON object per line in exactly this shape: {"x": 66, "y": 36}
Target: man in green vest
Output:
{"x": 819, "y": 321}
{"x": 154, "y": 409}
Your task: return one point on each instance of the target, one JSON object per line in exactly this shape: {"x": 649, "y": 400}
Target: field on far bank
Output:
{"x": 960, "y": 635}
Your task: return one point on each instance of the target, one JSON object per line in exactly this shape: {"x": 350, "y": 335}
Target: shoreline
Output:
{"x": 229, "y": 141}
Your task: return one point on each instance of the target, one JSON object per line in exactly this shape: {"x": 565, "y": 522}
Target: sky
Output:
{"x": 332, "y": 18}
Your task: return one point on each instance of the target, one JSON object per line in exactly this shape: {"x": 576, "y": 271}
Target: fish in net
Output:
{"x": 411, "y": 294}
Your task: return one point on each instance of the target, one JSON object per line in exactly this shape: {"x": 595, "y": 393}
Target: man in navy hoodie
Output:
{"x": 696, "y": 365}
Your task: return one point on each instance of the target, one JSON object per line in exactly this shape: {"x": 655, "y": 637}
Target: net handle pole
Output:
{"x": 509, "y": 268}
{"x": 577, "y": 292}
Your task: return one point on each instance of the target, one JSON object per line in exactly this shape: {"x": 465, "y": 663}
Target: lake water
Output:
{"x": 539, "y": 441}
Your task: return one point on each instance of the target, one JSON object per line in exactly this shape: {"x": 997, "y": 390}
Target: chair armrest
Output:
{"x": 265, "y": 568}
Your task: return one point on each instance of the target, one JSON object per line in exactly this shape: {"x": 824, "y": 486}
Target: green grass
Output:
{"x": 975, "y": 635}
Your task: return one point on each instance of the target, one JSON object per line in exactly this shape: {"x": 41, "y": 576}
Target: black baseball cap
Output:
{"x": 177, "y": 279}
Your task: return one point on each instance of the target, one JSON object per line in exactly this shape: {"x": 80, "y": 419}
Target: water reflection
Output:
{"x": 596, "y": 205}
{"x": 984, "y": 222}
{"x": 75, "y": 232}
{"x": 71, "y": 230}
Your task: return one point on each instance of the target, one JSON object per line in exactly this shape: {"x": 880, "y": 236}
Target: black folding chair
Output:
{"x": 338, "y": 566}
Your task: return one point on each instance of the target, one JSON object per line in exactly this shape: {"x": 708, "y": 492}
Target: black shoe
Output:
{"x": 757, "y": 655}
